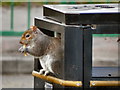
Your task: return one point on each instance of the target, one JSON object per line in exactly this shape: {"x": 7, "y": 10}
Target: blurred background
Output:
{"x": 17, "y": 17}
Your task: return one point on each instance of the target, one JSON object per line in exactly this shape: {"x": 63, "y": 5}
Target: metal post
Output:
{"x": 73, "y": 63}
{"x": 12, "y": 16}
{"x": 29, "y": 8}
{"x": 87, "y": 61}
{"x": 39, "y": 84}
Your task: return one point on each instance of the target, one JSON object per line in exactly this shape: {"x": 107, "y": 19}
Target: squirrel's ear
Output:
{"x": 34, "y": 28}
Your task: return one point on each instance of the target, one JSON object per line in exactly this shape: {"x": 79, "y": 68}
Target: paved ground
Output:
{"x": 17, "y": 81}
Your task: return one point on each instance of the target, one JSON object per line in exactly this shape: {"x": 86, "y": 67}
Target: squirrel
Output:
{"x": 48, "y": 49}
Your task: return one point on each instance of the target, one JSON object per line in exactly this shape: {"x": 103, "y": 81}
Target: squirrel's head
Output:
{"x": 30, "y": 35}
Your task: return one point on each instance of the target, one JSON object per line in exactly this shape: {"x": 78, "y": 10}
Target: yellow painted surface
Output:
{"x": 58, "y": 81}
{"x": 75, "y": 83}
{"x": 104, "y": 83}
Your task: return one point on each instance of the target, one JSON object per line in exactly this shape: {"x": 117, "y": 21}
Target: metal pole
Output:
{"x": 12, "y": 16}
{"x": 104, "y": 83}
{"x": 87, "y": 61}
{"x": 57, "y": 80}
{"x": 29, "y": 8}
{"x": 75, "y": 83}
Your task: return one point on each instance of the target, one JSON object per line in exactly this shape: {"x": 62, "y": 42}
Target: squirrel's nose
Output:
{"x": 21, "y": 42}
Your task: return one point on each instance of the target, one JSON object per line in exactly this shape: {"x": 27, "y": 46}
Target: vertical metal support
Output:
{"x": 12, "y": 16}
{"x": 28, "y": 19}
{"x": 38, "y": 83}
{"x": 73, "y": 58}
{"x": 87, "y": 63}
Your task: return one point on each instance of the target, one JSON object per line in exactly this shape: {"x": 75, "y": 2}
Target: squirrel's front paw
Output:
{"x": 22, "y": 49}
{"x": 44, "y": 72}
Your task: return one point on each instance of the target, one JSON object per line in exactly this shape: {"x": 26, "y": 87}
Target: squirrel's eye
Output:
{"x": 27, "y": 35}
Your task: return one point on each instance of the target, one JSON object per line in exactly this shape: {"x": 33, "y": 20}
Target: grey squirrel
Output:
{"x": 48, "y": 49}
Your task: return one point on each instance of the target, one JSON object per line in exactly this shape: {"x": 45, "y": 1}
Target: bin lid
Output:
{"x": 82, "y": 13}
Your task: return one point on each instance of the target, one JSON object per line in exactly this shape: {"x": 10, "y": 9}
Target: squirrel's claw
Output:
{"x": 22, "y": 49}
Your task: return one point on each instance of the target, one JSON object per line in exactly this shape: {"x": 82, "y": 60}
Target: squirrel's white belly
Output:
{"x": 46, "y": 62}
